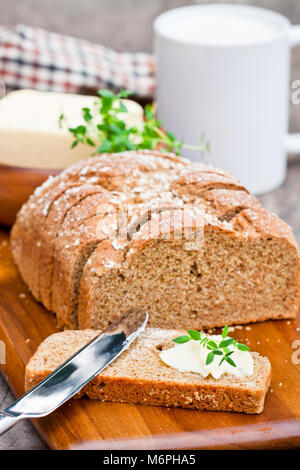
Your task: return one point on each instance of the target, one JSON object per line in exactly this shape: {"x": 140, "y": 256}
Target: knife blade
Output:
{"x": 76, "y": 372}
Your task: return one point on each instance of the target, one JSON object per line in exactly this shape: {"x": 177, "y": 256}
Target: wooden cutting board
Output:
{"x": 24, "y": 324}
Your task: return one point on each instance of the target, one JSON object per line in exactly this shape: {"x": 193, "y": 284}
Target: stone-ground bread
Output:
{"x": 247, "y": 268}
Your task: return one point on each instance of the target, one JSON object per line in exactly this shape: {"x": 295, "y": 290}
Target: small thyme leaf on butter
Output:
{"x": 214, "y": 348}
{"x": 225, "y": 331}
{"x": 242, "y": 347}
{"x": 194, "y": 334}
{"x": 103, "y": 128}
{"x": 181, "y": 339}
{"x": 209, "y": 358}
{"x": 226, "y": 342}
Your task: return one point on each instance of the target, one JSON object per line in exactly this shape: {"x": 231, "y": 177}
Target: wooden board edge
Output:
{"x": 277, "y": 434}
{"x": 257, "y": 436}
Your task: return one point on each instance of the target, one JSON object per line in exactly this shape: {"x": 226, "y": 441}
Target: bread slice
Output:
{"x": 60, "y": 208}
{"x": 139, "y": 376}
{"x": 245, "y": 270}
{"x": 26, "y": 234}
{"x": 31, "y": 222}
{"x": 72, "y": 250}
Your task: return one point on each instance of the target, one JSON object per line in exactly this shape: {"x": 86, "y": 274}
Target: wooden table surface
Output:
{"x": 24, "y": 324}
{"x": 21, "y": 317}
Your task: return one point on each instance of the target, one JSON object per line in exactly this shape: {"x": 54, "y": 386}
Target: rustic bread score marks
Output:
{"x": 211, "y": 309}
{"x": 227, "y": 203}
{"x": 25, "y": 235}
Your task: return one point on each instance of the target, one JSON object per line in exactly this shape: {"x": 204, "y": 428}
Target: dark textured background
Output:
{"x": 126, "y": 25}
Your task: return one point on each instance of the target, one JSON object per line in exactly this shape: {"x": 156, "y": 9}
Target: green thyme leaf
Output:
{"x": 181, "y": 339}
{"x": 74, "y": 143}
{"x": 229, "y": 353}
{"x": 90, "y": 142}
{"x": 226, "y": 342}
{"x": 194, "y": 334}
{"x": 217, "y": 352}
{"x": 61, "y": 120}
{"x": 106, "y": 94}
{"x": 230, "y": 361}
{"x": 209, "y": 358}
{"x": 124, "y": 93}
{"x": 222, "y": 360}
{"x": 225, "y": 331}
{"x": 78, "y": 131}
{"x": 212, "y": 344}
{"x": 105, "y": 146}
{"x": 122, "y": 108}
{"x": 86, "y": 114}
{"x": 242, "y": 347}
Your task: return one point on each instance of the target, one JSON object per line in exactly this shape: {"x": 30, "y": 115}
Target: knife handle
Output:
{"x": 6, "y": 422}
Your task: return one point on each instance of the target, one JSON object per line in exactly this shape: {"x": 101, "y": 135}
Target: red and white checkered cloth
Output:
{"x": 33, "y": 58}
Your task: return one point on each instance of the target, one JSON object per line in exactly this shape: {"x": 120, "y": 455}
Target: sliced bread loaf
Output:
{"x": 247, "y": 267}
{"x": 139, "y": 376}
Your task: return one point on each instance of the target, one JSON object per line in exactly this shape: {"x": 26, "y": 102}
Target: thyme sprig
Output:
{"x": 104, "y": 129}
{"x": 215, "y": 348}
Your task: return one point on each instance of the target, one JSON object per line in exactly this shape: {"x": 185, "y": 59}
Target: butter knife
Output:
{"x": 76, "y": 372}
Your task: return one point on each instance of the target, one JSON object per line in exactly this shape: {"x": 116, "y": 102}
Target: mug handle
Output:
{"x": 292, "y": 141}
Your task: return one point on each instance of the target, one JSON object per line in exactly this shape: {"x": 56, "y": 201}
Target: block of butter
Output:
{"x": 29, "y": 128}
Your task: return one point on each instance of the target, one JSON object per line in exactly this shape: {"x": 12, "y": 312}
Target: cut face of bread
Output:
{"x": 139, "y": 376}
{"x": 230, "y": 279}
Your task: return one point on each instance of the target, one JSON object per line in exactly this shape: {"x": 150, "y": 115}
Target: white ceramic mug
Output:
{"x": 224, "y": 70}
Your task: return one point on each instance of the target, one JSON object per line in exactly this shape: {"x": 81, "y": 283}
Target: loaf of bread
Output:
{"x": 184, "y": 241}
{"x": 139, "y": 375}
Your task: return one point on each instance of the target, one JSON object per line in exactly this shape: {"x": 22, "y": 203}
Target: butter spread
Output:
{"x": 29, "y": 132}
{"x": 191, "y": 357}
